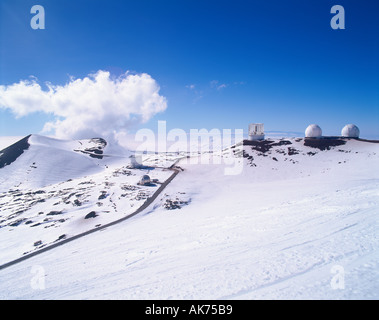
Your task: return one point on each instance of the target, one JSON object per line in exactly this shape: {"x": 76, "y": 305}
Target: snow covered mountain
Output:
{"x": 299, "y": 210}
{"x": 56, "y": 159}
{"x": 49, "y": 188}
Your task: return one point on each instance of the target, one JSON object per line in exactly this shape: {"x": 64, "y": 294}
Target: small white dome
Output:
{"x": 145, "y": 178}
{"x": 351, "y": 131}
{"x": 313, "y": 131}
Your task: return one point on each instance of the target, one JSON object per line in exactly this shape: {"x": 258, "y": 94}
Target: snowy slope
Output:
{"x": 47, "y": 161}
{"x": 48, "y": 191}
{"x": 279, "y": 230}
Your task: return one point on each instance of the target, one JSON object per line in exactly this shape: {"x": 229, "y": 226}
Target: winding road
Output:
{"x": 146, "y": 204}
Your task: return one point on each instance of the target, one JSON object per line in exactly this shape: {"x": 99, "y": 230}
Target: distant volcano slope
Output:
{"x": 11, "y": 153}
{"x": 37, "y": 161}
{"x": 294, "y": 158}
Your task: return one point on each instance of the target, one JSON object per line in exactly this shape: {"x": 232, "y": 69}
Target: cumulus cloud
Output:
{"x": 95, "y": 106}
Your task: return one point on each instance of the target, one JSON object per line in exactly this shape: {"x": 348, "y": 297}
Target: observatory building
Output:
{"x": 350, "y": 131}
{"x": 145, "y": 180}
{"x": 256, "y": 131}
{"x": 313, "y": 131}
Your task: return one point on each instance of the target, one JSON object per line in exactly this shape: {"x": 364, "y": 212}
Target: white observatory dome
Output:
{"x": 145, "y": 180}
{"x": 350, "y": 130}
{"x": 313, "y": 131}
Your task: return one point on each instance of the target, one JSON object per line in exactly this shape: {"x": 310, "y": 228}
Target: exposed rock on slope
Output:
{"x": 11, "y": 153}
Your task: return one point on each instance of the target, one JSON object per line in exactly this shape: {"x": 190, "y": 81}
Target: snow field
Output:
{"x": 264, "y": 234}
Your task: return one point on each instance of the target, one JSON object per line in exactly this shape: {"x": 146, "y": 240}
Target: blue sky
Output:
{"x": 220, "y": 64}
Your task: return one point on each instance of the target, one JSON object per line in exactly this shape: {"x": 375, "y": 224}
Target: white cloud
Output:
{"x": 216, "y": 84}
{"x": 96, "y": 105}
